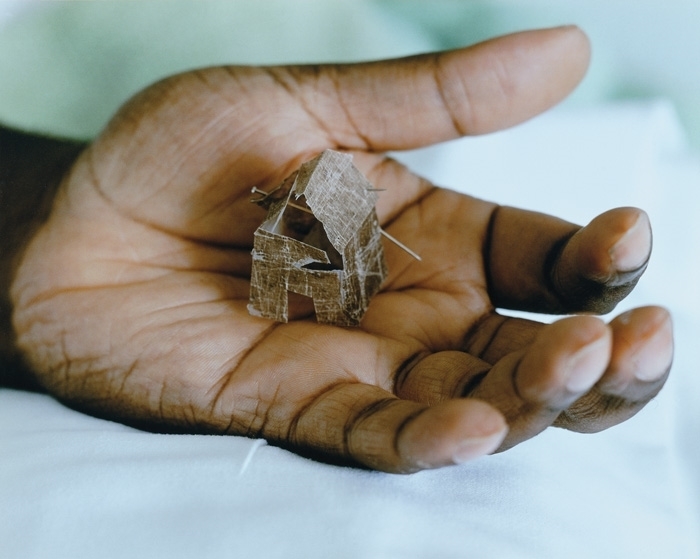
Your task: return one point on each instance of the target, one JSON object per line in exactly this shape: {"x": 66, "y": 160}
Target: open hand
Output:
{"x": 130, "y": 302}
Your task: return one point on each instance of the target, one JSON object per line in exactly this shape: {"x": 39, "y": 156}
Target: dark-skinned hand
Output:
{"x": 130, "y": 301}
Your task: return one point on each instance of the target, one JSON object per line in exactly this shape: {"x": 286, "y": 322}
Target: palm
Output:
{"x": 146, "y": 260}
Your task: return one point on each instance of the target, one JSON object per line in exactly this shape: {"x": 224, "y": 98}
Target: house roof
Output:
{"x": 337, "y": 193}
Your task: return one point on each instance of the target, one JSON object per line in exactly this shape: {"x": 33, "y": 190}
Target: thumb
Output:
{"x": 421, "y": 100}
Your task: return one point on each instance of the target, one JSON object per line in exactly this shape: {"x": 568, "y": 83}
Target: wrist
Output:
{"x": 31, "y": 169}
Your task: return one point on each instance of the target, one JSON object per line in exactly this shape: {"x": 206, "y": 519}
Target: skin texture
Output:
{"x": 130, "y": 301}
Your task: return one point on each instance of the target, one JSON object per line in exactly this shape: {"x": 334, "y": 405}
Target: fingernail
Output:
{"x": 631, "y": 251}
{"x": 587, "y": 365}
{"x": 475, "y": 448}
{"x": 654, "y": 359}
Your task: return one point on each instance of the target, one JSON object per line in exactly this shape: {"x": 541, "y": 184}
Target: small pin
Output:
{"x": 263, "y": 195}
{"x": 400, "y": 245}
{"x": 298, "y": 207}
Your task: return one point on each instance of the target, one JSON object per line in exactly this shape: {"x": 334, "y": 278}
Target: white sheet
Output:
{"x": 75, "y": 486}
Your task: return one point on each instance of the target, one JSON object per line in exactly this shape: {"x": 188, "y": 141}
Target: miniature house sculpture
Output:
{"x": 321, "y": 239}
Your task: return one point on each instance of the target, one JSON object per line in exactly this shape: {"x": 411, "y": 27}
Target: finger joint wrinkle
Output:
{"x": 293, "y": 430}
{"x": 437, "y": 67}
{"x": 366, "y": 412}
{"x": 405, "y": 368}
{"x": 483, "y": 334}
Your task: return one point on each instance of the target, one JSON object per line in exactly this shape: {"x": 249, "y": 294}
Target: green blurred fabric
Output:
{"x": 66, "y": 66}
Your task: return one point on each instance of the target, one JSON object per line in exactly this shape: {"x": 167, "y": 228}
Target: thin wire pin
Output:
{"x": 263, "y": 195}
